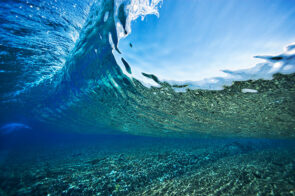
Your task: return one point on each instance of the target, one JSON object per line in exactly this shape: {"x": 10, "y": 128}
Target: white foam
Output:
{"x": 248, "y": 90}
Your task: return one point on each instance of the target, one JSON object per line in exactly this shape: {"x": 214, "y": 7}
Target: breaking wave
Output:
{"x": 58, "y": 69}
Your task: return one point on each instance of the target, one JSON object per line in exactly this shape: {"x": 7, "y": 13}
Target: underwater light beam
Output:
{"x": 12, "y": 127}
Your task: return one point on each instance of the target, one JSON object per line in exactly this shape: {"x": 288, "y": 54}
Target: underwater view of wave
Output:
{"x": 58, "y": 67}
{"x": 147, "y": 97}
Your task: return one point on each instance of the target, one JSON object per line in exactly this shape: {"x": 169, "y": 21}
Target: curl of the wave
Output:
{"x": 135, "y": 9}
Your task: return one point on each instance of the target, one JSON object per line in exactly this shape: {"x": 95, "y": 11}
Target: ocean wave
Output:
{"x": 72, "y": 82}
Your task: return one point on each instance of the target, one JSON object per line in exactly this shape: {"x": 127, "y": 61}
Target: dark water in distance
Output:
{"x": 35, "y": 163}
{"x": 72, "y": 123}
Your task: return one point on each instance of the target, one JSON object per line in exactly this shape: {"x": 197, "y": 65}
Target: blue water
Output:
{"x": 75, "y": 120}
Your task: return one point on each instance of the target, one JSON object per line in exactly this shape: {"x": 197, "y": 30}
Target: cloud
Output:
{"x": 283, "y": 63}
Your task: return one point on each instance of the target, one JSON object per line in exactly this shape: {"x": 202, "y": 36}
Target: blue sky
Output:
{"x": 196, "y": 39}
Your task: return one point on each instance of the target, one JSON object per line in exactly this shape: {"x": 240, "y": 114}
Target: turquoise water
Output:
{"x": 75, "y": 121}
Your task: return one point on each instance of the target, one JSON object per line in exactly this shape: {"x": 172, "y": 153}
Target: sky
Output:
{"x": 197, "y": 39}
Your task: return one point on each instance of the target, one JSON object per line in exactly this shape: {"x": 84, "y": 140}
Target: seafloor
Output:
{"x": 124, "y": 165}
